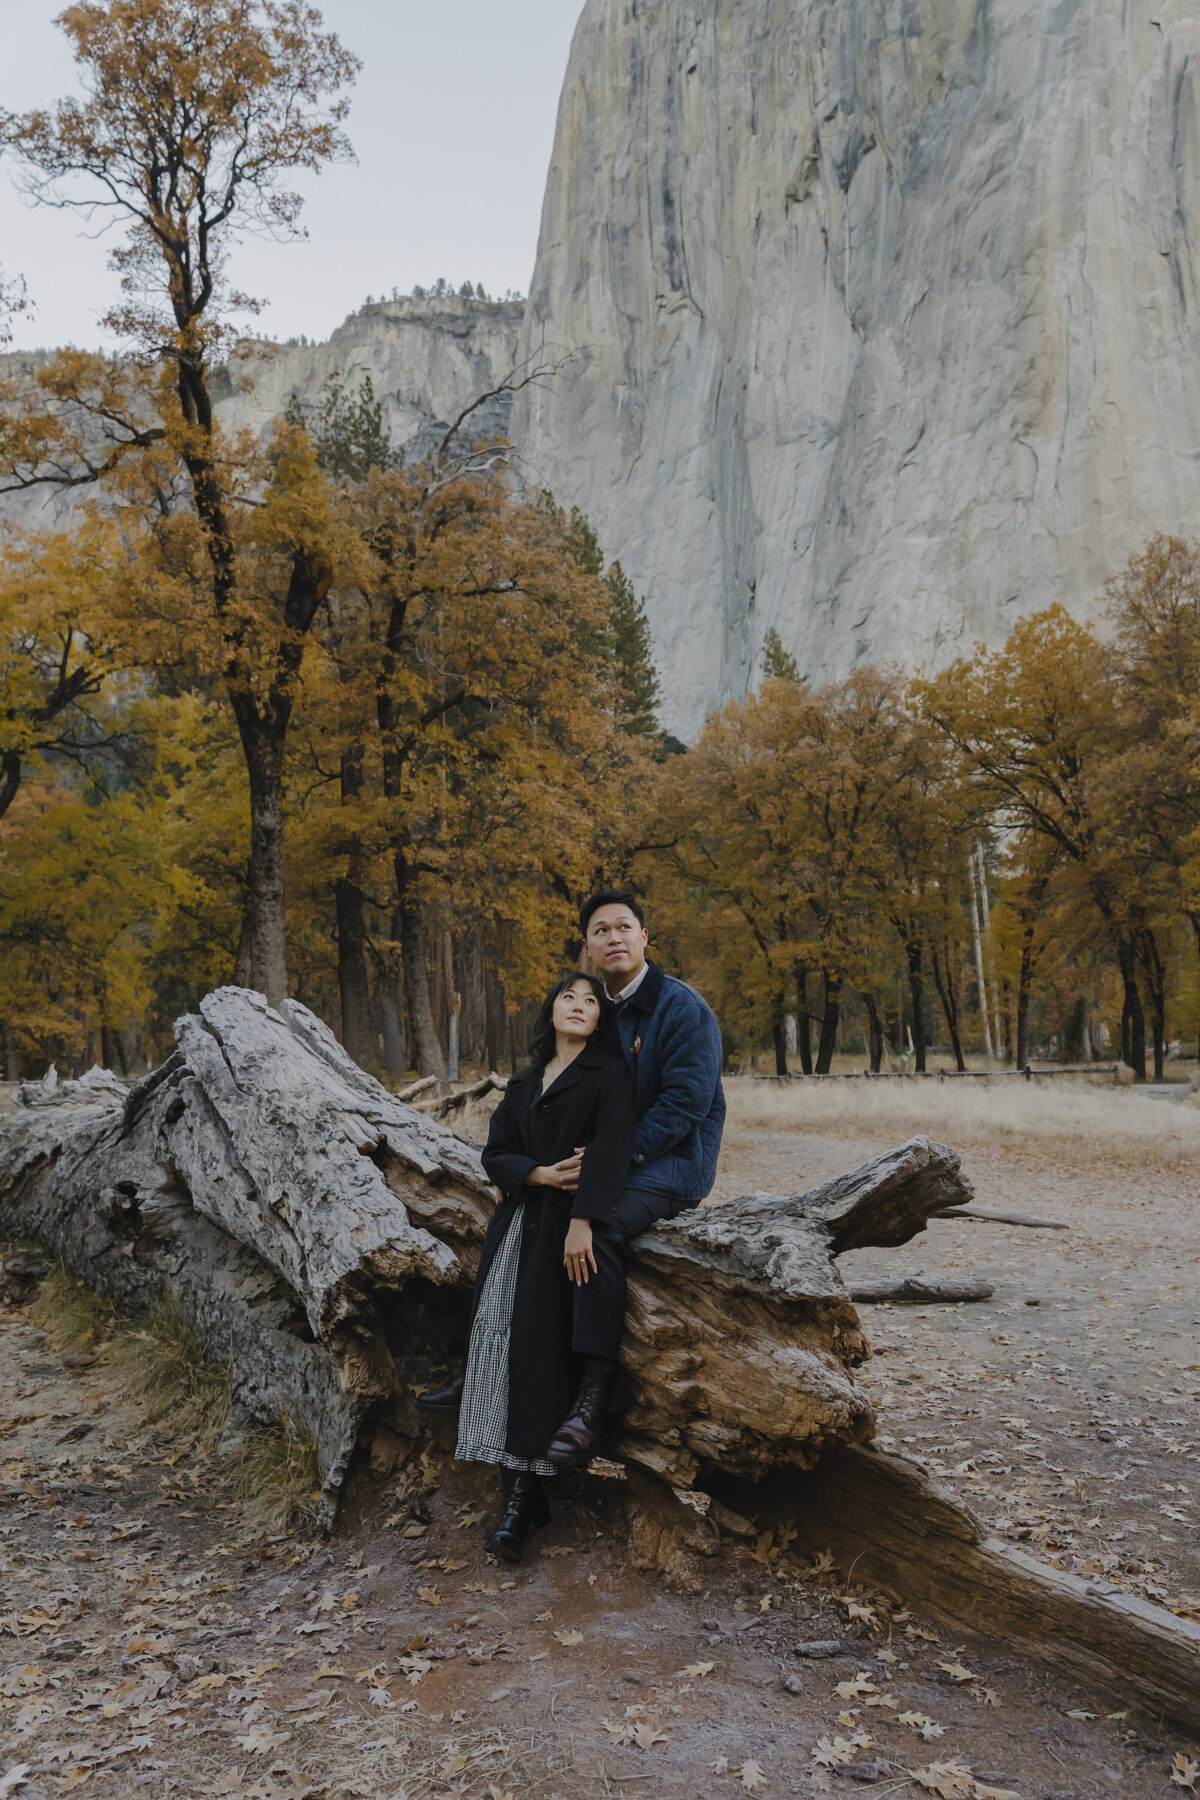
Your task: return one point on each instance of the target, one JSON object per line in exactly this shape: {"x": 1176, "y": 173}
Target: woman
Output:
{"x": 559, "y": 1149}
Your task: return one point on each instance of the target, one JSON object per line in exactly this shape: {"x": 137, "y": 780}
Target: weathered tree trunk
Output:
{"x": 827, "y": 1043}
{"x": 803, "y": 1020}
{"x": 328, "y": 1235}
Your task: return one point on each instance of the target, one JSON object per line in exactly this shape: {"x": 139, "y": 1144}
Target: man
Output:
{"x": 672, "y": 1044}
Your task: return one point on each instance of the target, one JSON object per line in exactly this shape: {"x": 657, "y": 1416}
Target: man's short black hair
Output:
{"x": 610, "y": 897}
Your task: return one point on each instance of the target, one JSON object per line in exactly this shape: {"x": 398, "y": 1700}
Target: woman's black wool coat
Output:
{"x": 591, "y": 1104}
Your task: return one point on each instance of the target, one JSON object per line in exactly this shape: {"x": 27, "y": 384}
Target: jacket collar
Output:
{"x": 647, "y": 996}
{"x": 590, "y": 1057}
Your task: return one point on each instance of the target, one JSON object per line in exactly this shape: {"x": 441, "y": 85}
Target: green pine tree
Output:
{"x": 347, "y": 430}
{"x": 778, "y": 664}
{"x": 638, "y": 686}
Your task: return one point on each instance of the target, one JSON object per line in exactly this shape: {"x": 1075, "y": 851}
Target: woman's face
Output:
{"x": 576, "y": 1011}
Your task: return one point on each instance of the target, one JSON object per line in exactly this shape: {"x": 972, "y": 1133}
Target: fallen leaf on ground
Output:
{"x": 855, "y": 1689}
{"x": 952, "y": 1780}
{"x": 1185, "y": 1772}
{"x": 751, "y": 1776}
{"x": 430, "y": 1596}
{"x": 694, "y": 1671}
{"x": 569, "y": 1637}
{"x": 957, "y": 1672}
{"x": 829, "y": 1751}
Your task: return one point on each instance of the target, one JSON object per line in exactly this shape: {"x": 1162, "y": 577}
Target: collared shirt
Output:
{"x": 631, "y": 987}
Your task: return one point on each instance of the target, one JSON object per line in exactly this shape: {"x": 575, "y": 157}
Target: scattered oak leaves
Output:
{"x": 569, "y": 1637}
{"x": 1185, "y": 1772}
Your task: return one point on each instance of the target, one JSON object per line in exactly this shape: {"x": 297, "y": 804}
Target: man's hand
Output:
{"x": 577, "y": 1251}
{"x": 564, "y": 1175}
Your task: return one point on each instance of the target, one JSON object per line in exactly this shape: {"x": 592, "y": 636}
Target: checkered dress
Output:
{"x": 483, "y": 1413}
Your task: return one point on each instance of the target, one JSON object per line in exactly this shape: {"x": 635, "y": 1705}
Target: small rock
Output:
{"x": 793, "y": 1684}
{"x": 1033, "y": 1303}
{"x": 187, "y": 1666}
{"x": 80, "y": 1359}
{"x": 818, "y": 1648}
{"x": 64, "y": 1650}
{"x": 869, "y": 1771}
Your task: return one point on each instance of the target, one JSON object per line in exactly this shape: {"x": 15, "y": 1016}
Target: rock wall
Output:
{"x": 884, "y": 316}
{"x": 427, "y": 359}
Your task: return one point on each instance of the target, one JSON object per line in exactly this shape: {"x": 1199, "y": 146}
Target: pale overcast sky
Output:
{"x": 452, "y": 121}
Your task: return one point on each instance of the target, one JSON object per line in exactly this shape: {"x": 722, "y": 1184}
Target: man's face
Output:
{"x": 616, "y": 945}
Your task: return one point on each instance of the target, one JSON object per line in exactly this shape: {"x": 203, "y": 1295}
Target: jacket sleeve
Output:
{"x": 689, "y": 1074}
{"x": 607, "y": 1157}
{"x": 505, "y": 1159}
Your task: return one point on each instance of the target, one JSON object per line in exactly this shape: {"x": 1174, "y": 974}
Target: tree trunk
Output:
{"x": 262, "y": 745}
{"x": 827, "y": 1043}
{"x": 12, "y": 1070}
{"x": 391, "y": 1027}
{"x": 980, "y": 977}
{"x": 803, "y": 1020}
{"x": 1156, "y": 983}
{"x": 987, "y": 937}
{"x": 1024, "y": 990}
{"x": 944, "y": 982}
{"x": 493, "y": 1000}
{"x": 875, "y": 1031}
{"x": 427, "y": 1045}
{"x": 914, "y": 959}
{"x": 350, "y": 914}
{"x": 1135, "y": 1053}
{"x": 779, "y": 1032}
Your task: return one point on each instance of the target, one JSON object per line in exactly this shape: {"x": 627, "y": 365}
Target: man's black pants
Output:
{"x": 600, "y": 1302}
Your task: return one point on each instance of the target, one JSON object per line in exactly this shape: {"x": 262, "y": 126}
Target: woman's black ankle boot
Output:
{"x": 581, "y": 1434}
{"x": 525, "y": 1508}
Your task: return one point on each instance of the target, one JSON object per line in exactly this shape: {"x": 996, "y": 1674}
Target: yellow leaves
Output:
{"x": 952, "y": 1780}
{"x": 856, "y": 1688}
{"x": 641, "y": 1733}
{"x": 430, "y": 1596}
{"x": 828, "y": 1752}
{"x": 569, "y": 1638}
{"x": 1185, "y": 1772}
{"x": 957, "y": 1672}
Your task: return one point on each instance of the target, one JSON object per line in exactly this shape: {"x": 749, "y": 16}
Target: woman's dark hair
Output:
{"x": 610, "y": 897}
{"x": 544, "y": 1042}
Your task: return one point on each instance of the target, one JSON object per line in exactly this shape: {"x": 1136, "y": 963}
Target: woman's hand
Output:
{"x": 564, "y": 1175}
{"x": 578, "y": 1252}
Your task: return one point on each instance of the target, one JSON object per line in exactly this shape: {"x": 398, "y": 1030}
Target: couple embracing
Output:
{"x": 615, "y": 1124}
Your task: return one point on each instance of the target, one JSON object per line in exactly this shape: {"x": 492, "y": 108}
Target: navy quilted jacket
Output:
{"x": 672, "y": 1043}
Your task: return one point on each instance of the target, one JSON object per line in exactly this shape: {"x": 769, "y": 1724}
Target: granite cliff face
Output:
{"x": 427, "y": 359}
{"x": 884, "y": 316}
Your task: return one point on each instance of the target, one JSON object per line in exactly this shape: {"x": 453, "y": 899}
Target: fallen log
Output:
{"x": 324, "y": 1235}
{"x": 450, "y": 1105}
{"x": 916, "y": 1290}
{"x": 1004, "y": 1218}
{"x": 883, "y": 1517}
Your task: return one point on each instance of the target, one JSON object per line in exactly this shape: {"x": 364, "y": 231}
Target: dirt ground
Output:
{"x": 151, "y": 1643}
